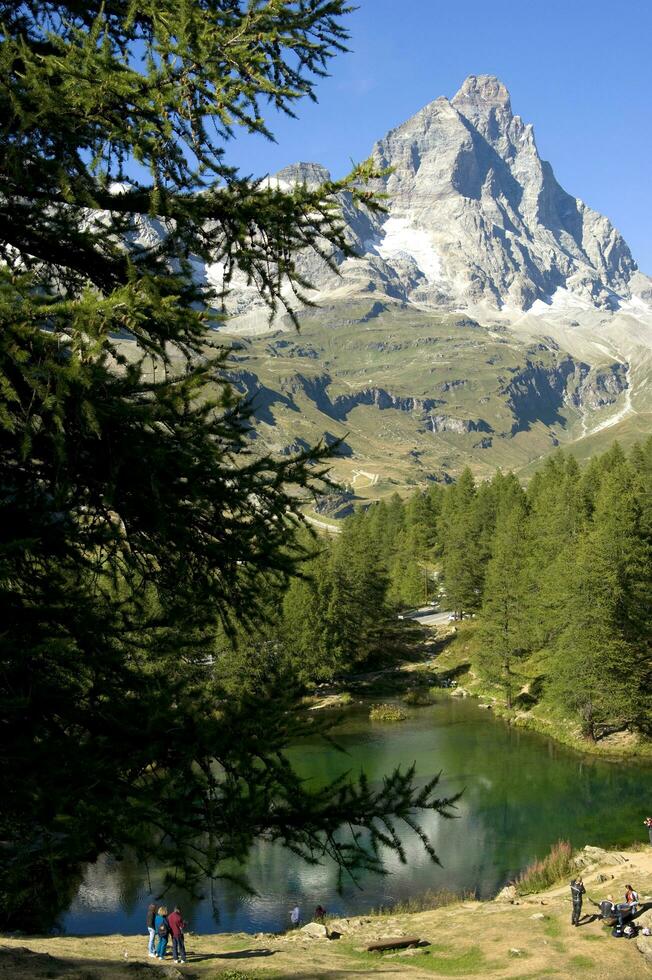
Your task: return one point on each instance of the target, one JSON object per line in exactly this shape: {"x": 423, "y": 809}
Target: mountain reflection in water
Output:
{"x": 521, "y": 794}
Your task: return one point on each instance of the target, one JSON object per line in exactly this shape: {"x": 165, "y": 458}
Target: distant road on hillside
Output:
{"x": 427, "y": 617}
{"x": 331, "y": 528}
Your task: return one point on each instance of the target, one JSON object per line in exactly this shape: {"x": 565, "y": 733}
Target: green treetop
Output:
{"x": 601, "y": 668}
{"x": 506, "y": 608}
{"x": 458, "y": 532}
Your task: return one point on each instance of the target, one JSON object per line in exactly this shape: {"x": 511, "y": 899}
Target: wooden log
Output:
{"x": 401, "y": 942}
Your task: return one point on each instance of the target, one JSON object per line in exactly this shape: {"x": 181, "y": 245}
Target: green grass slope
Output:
{"x": 416, "y": 396}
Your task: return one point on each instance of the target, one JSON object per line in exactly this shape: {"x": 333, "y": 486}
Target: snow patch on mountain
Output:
{"x": 401, "y": 240}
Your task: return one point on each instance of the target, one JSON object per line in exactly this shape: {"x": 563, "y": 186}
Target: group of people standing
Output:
{"x": 160, "y": 926}
{"x": 295, "y": 915}
{"x": 609, "y": 910}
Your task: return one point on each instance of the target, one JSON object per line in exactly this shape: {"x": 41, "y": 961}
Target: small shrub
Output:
{"x": 545, "y": 872}
{"x": 425, "y": 902}
{"x": 346, "y": 698}
{"x": 387, "y": 712}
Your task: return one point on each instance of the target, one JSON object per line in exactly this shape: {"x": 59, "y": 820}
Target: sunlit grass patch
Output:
{"x": 552, "y": 928}
{"x": 444, "y": 961}
{"x": 582, "y": 962}
{"x": 464, "y": 963}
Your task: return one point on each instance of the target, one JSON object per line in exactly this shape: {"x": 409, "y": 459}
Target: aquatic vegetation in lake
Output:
{"x": 387, "y": 712}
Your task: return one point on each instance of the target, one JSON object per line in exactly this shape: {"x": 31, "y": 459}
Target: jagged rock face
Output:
{"x": 482, "y": 215}
{"x": 474, "y": 217}
{"x": 539, "y": 393}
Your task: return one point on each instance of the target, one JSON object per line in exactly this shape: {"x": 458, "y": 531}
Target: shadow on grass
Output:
{"x": 236, "y": 954}
{"x": 22, "y": 963}
{"x": 340, "y": 974}
{"x": 643, "y": 907}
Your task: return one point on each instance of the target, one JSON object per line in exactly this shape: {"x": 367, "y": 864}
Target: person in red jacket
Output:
{"x": 177, "y": 925}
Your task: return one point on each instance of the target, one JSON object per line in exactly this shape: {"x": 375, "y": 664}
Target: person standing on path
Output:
{"x": 648, "y": 824}
{"x": 577, "y": 891}
{"x": 151, "y": 915}
{"x": 162, "y": 927}
{"x": 177, "y": 925}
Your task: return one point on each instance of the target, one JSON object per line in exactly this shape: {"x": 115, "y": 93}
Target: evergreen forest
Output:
{"x": 556, "y": 576}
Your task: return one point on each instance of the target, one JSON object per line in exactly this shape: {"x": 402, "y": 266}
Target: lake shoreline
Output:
{"x": 458, "y": 656}
{"x": 444, "y": 657}
{"x": 534, "y": 928}
{"x": 521, "y": 794}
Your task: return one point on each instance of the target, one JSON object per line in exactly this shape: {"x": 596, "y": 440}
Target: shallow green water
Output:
{"x": 522, "y": 792}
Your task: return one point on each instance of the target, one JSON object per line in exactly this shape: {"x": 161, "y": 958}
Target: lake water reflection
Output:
{"x": 521, "y": 794}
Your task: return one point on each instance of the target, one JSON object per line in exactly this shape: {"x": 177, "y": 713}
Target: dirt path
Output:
{"x": 528, "y": 940}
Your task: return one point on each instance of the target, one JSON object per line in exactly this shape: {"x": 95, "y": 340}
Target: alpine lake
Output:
{"x": 522, "y": 793}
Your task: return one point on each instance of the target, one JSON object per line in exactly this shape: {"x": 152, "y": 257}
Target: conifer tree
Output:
{"x": 461, "y": 559}
{"x": 421, "y": 514}
{"x": 506, "y": 606}
{"x": 135, "y": 523}
{"x": 556, "y": 520}
{"x": 356, "y": 602}
{"x": 408, "y": 582}
{"x": 601, "y": 668}
{"x": 393, "y": 524}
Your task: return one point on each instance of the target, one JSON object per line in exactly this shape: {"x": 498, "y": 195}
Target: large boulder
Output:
{"x": 645, "y": 919}
{"x": 597, "y": 855}
{"x": 341, "y": 925}
{"x": 314, "y": 930}
{"x": 644, "y": 944}
{"x": 507, "y": 894}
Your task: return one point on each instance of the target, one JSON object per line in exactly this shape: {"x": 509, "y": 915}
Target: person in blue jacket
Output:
{"x": 162, "y": 927}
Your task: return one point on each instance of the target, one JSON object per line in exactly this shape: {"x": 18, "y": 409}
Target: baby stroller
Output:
{"x": 617, "y": 916}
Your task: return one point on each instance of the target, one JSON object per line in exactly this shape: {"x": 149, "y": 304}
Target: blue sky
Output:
{"x": 580, "y": 70}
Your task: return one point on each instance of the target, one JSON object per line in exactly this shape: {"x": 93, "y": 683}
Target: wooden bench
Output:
{"x": 401, "y": 942}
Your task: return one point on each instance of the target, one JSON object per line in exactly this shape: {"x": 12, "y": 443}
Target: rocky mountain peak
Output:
{"x": 475, "y": 215}
{"x": 484, "y": 102}
{"x": 310, "y": 174}
{"x": 475, "y": 218}
{"x": 484, "y": 91}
